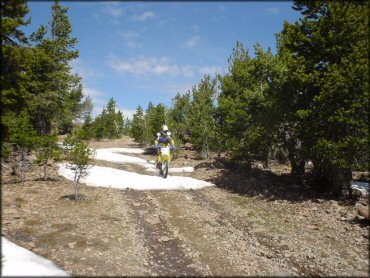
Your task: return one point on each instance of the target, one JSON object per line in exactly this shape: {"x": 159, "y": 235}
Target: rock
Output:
{"x": 153, "y": 221}
{"x": 11, "y": 211}
{"x": 281, "y": 274}
{"x": 313, "y": 227}
{"x": 363, "y": 211}
{"x": 267, "y": 254}
{"x": 258, "y": 230}
{"x": 164, "y": 239}
{"x": 72, "y": 244}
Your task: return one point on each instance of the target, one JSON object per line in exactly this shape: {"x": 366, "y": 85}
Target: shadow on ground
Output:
{"x": 266, "y": 184}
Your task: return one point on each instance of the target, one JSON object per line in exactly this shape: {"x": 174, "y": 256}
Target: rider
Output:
{"x": 163, "y": 138}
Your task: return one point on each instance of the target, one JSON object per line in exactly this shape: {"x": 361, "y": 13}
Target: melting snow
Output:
{"x": 115, "y": 155}
{"x": 18, "y": 261}
{"x": 121, "y": 179}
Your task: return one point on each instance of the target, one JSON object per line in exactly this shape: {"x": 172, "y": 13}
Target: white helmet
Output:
{"x": 164, "y": 128}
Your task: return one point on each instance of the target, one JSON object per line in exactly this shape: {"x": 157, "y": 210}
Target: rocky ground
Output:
{"x": 254, "y": 222}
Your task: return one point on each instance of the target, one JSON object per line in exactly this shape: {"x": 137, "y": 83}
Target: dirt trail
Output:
{"x": 208, "y": 232}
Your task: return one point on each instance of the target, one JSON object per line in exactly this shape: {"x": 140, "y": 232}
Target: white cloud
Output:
{"x": 130, "y": 38}
{"x": 97, "y": 98}
{"x": 113, "y": 9}
{"x": 193, "y": 41}
{"x": 130, "y": 35}
{"x": 150, "y": 65}
{"x": 132, "y": 44}
{"x": 144, "y": 16}
{"x": 161, "y": 23}
{"x": 79, "y": 67}
{"x": 274, "y": 10}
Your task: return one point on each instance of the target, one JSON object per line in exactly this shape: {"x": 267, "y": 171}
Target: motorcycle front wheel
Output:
{"x": 164, "y": 169}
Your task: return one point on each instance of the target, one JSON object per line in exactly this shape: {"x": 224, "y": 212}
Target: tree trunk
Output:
{"x": 329, "y": 177}
{"x": 45, "y": 165}
{"x": 76, "y": 184}
{"x": 341, "y": 181}
{"x": 297, "y": 162}
{"x": 23, "y": 158}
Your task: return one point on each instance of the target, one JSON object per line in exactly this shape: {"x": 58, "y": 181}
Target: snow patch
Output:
{"x": 123, "y": 150}
{"x": 115, "y": 155}
{"x": 109, "y": 177}
{"x": 173, "y": 170}
{"x": 18, "y": 261}
{"x": 363, "y": 187}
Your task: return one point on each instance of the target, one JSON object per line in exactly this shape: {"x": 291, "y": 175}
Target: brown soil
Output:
{"x": 254, "y": 222}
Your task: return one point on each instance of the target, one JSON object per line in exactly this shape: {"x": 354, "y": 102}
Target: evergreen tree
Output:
{"x": 127, "y": 126}
{"x": 22, "y": 138}
{"x": 79, "y": 156}
{"x": 203, "y": 127}
{"x": 87, "y": 128}
{"x": 178, "y": 118}
{"x": 47, "y": 150}
{"x": 138, "y": 125}
{"x": 55, "y": 92}
{"x": 111, "y": 125}
{"x": 243, "y": 112}
{"x": 119, "y": 120}
{"x": 329, "y": 47}
{"x": 14, "y": 55}
{"x": 150, "y": 124}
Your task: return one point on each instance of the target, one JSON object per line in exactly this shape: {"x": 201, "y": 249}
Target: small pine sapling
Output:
{"x": 47, "y": 150}
{"x": 79, "y": 156}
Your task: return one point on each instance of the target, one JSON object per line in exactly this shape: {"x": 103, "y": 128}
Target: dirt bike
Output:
{"x": 164, "y": 159}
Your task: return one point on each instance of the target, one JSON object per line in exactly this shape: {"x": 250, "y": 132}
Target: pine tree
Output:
{"x": 119, "y": 120}
{"x": 178, "y": 118}
{"x": 22, "y": 138}
{"x": 87, "y": 128}
{"x": 150, "y": 124}
{"x": 47, "y": 149}
{"x": 55, "y": 92}
{"x": 243, "y": 112}
{"x": 79, "y": 156}
{"x": 127, "y": 126}
{"x": 203, "y": 126}
{"x": 14, "y": 55}
{"x": 329, "y": 48}
{"x": 138, "y": 125}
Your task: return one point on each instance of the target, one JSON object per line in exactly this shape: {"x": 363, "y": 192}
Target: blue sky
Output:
{"x": 138, "y": 52}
